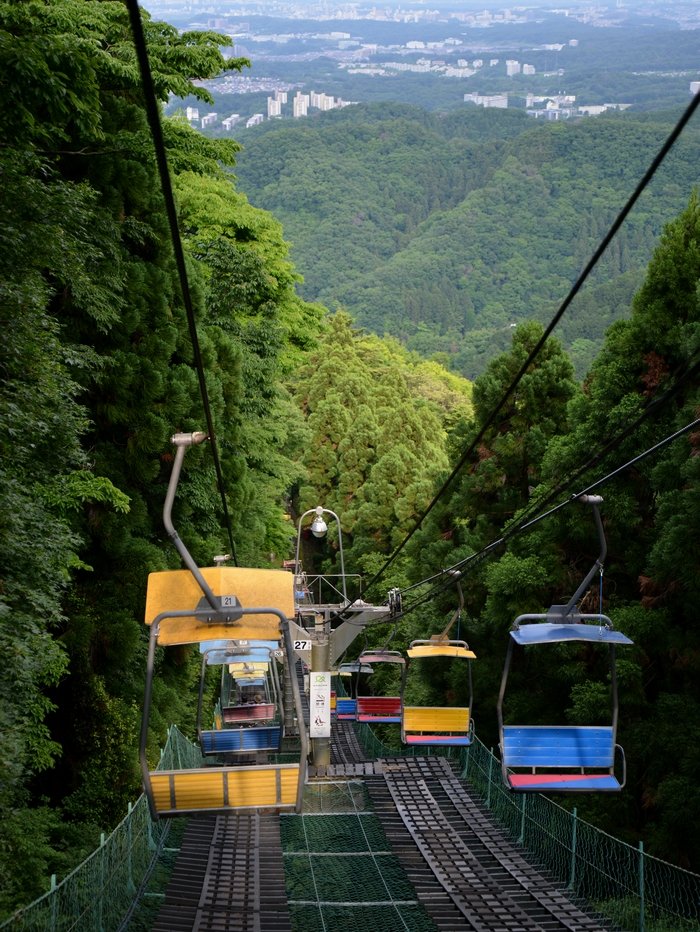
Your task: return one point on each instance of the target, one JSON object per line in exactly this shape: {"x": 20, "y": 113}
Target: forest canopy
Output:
{"x": 98, "y": 372}
{"x": 445, "y": 230}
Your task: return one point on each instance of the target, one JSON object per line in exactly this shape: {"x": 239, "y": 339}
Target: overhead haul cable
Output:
{"x": 525, "y": 526}
{"x": 153, "y": 112}
{"x": 605, "y": 242}
{"x": 525, "y": 519}
{"x": 650, "y": 408}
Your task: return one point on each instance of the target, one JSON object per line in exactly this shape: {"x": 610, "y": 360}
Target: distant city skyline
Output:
{"x": 491, "y": 53}
{"x": 312, "y": 8}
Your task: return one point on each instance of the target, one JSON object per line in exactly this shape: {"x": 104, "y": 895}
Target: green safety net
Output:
{"x": 342, "y": 876}
{"x": 629, "y": 887}
{"x": 101, "y": 891}
{"x": 340, "y": 872}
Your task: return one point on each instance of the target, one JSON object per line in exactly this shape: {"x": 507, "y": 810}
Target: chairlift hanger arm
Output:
{"x": 182, "y": 442}
{"x": 594, "y": 501}
{"x": 460, "y": 608}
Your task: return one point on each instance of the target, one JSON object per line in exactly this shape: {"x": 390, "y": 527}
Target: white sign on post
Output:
{"x": 319, "y": 704}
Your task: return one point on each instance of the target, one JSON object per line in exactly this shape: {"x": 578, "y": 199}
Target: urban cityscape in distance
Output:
{"x": 308, "y": 57}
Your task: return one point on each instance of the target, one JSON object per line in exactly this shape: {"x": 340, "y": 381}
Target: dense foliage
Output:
{"x": 648, "y": 365}
{"x": 376, "y": 419}
{"x": 97, "y": 369}
{"x": 446, "y": 230}
{"x": 97, "y": 373}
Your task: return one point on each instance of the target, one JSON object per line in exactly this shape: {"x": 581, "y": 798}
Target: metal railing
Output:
{"x": 633, "y": 890}
{"x": 99, "y": 893}
{"x": 324, "y": 590}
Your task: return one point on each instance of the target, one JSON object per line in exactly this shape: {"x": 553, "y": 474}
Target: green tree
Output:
{"x": 260, "y": 329}
{"x": 377, "y": 436}
{"x": 653, "y": 518}
{"x": 489, "y": 492}
{"x": 96, "y": 374}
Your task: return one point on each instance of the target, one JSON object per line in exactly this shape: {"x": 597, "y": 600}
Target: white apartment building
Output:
{"x": 695, "y": 87}
{"x": 192, "y": 113}
{"x": 208, "y": 119}
{"x": 512, "y": 67}
{"x": 300, "y": 104}
{"x": 254, "y": 120}
{"x": 528, "y": 69}
{"x": 274, "y": 108}
{"x": 229, "y": 122}
{"x": 322, "y": 101}
{"x": 499, "y": 101}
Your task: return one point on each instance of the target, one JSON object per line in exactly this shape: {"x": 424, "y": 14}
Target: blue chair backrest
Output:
{"x": 346, "y": 706}
{"x": 262, "y": 738}
{"x": 558, "y": 746}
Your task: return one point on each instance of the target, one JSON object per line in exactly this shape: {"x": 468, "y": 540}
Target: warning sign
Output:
{"x": 319, "y": 704}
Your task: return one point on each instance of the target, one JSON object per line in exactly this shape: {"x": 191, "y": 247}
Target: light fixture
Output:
{"x": 319, "y": 527}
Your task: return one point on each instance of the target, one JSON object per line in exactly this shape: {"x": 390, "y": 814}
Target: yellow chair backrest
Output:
{"x": 250, "y": 669}
{"x": 435, "y": 720}
{"x": 177, "y": 590}
{"x": 225, "y": 788}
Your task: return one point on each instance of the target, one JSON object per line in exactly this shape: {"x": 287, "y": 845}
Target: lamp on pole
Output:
{"x": 319, "y": 529}
{"x": 320, "y": 647}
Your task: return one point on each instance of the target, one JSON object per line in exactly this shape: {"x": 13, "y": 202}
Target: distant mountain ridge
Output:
{"x": 444, "y": 230}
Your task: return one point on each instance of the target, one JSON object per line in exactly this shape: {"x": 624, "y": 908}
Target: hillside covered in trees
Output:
{"x": 445, "y": 229}
{"x": 97, "y": 367}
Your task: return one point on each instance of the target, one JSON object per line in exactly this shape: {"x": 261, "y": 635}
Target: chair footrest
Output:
{"x": 451, "y": 740}
{"x": 379, "y": 718}
{"x": 563, "y": 782}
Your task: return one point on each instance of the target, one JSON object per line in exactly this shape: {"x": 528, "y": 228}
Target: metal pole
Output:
{"x": 465, "y": 769}
{"x": 572, "y": 872}
{"x": 298, "y": 547}
{"x": 320, "y": 661}
{"x": 289, "y": 653}
{"x": 200, "y": 700}
{"x": 130, "y": 845}
{"x": 521, "y": 840}
{"x": 488, "y": 789}
{"x": 593, "y": 501}
{"x": 340, "y": 548}
{"x": 291, "y": 723}
{"x": 148, "y": 689}
{"x": 101, "y": 895}
{"x": 641, "y": 887}
{"x": 54, "y": 903}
